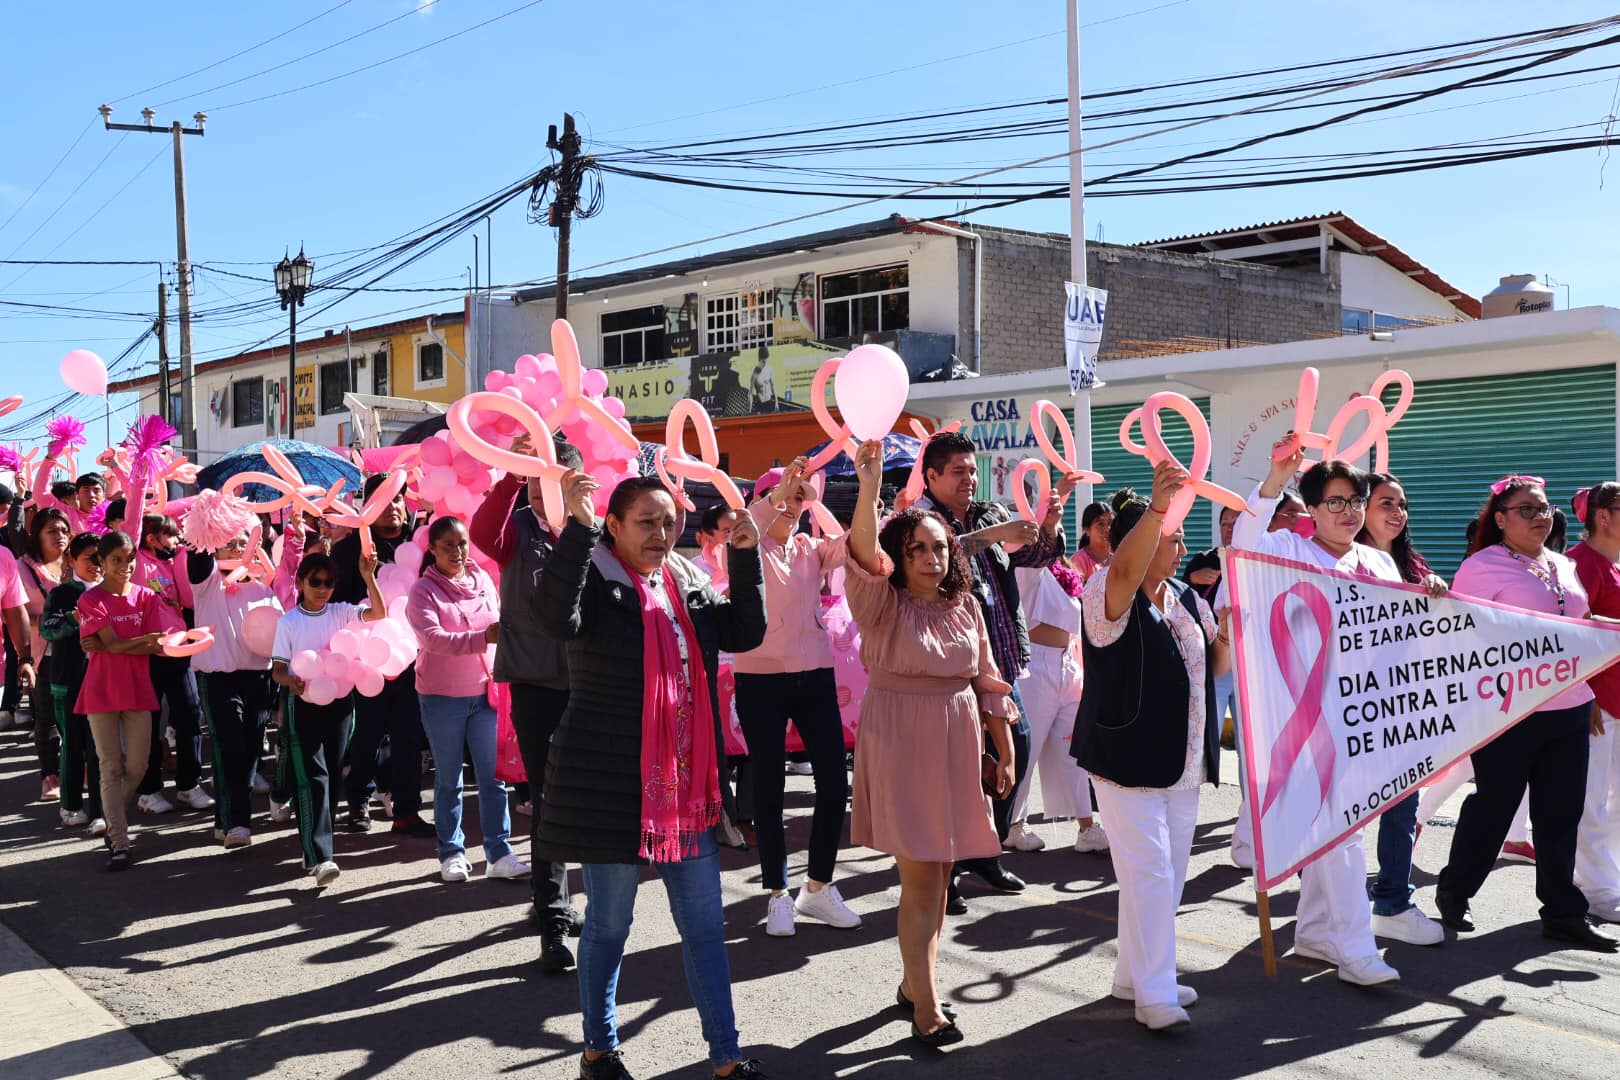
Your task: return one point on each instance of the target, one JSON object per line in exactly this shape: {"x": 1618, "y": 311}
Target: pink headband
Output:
{"x": 1578, "y": 503}
{"x": 1517, "y": 480}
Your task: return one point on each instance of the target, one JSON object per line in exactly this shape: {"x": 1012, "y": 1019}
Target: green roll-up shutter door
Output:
{"x": 1462, "y": 434}
{"x": 1121, "y": 468}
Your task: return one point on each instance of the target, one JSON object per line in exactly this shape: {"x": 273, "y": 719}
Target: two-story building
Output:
{"x": 418, "y": 362}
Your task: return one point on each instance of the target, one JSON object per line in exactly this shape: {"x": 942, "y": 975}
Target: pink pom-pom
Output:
{"x": 214, "y": 520}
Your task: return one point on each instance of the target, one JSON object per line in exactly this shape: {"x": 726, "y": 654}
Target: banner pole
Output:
{"x": 1268, "y": 944}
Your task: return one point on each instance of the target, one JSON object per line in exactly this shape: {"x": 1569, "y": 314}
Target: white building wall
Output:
{"x": 1371, "y": 283}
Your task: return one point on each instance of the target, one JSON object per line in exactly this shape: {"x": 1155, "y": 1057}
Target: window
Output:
{"x": 429, "y": 364}
{"x": 177, "y": 405}
{"x": 739, "y": 320}
{"x": 379, "y": 373}
{"x": 865, "y": 302}
{"x": 1355, "y": 321}
{"x": 634, "y": 336}
{"x": 334, "y": 384}
{"x": 247, "y": 403}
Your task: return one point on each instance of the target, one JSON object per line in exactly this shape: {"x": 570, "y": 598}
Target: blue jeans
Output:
{"x": 1392, "y": 889}
{"x": 452, "y": 723}
{"x": 693, "y": 888}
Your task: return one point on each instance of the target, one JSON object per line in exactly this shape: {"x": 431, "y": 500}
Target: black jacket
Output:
{"x": 591, "y": 812}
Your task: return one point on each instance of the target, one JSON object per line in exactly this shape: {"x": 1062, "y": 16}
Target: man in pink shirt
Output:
{"x": 160, "y": 565}
{"x": 88, "y": 492}
{"x": 14, "y": 605}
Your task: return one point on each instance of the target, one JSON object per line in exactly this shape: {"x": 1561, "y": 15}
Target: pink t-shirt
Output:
{"x": 118, "y": 682}
{"x": 1494, "y": 573}
{"x": 12, "y": 593}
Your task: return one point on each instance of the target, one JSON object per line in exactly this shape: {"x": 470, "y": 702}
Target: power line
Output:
{"x": 41, "y": 185}
{"x": 59, "y": 206}
{"x": 234, "y": 55}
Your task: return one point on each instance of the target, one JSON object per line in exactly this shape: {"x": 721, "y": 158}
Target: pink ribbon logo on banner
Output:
{"x": 1307, "y": 726}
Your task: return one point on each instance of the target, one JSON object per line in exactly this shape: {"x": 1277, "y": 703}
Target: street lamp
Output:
{"x": 292, "y": 282}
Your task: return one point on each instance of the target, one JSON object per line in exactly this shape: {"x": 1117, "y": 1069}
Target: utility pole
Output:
{"x": 188, "y": 424}
{"x": 1077, "y": 232}
{"x": 163, "y": 352}
{"x": 568, "y": 174}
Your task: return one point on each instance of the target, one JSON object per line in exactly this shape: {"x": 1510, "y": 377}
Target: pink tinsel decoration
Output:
{"x": 66, "y": 433}
{"x": 214, "y": 520}
{"x": 10, "y": 460}
{"x": 146, "y": 441}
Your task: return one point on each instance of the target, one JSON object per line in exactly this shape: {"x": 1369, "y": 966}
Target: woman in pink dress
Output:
{"x": 918, "y": 792}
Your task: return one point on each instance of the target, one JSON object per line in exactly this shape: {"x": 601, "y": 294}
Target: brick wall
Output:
{"x": 1158, "y": 302}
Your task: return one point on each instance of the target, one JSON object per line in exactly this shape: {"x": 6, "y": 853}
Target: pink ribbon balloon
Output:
{"x": 842, "y": 440}
{"x": 10, "y": 404}
{"x": 1304, "y": 415}
{"x": 542, "y": 462}
{"x": 1307, "y": 725}
{"x": 372, "y": 509}
{"x": 820, "y": 516}
{"x": 1063, "y": 462}
{"x": 675, "y": 466}
{"x": 915, "y": 479}
{"x": 187, "y": 642}
{"x": 1374, "y": 437}
{"x": 1155, "y": 450}
{"x": 574, "y": 400}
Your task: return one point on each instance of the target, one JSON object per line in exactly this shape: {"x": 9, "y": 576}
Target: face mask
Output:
{"x": 166, "y": 554}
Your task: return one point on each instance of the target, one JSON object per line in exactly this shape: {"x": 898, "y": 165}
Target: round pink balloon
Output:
{"x": 305, "y": 664}
{"x": 84, "y": 372}
{"x": 871, "y": 389}
{"x": 368, "y": 681}
{"x": 346, "y": 643}
{"x": 334, "y": 665}
{"x": 374, "y": 653}
{"x": 259, "y": 629}
{"x": 320, "y": 690}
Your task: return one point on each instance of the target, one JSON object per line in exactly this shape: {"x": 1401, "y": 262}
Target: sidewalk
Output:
{"x": 55, "y": 1031}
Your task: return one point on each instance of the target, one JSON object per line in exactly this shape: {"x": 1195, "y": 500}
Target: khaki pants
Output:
{"x": 123, "y": 740}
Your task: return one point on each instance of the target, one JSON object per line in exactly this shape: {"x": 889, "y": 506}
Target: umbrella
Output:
{"x": 316, "y": 464}
{"x": 899, "y": 452}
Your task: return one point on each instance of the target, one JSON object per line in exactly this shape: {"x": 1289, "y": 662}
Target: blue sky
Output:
{"x": 367, "y": 157}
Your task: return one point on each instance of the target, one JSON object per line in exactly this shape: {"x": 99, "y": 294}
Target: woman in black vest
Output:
{"x": 633, "y": 775}
{"x": 1147, "y": 733}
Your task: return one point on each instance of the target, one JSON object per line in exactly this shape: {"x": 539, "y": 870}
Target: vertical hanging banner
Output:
{"x": 1083, "y": 311}
{"x": 1354, "y": 693}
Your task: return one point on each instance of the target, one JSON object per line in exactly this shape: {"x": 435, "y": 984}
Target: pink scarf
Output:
{"x": 680, "y": 781}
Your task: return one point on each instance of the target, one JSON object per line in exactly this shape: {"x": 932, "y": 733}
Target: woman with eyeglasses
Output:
{"x": 319, "y": 733}
{"x": 1395, "y": 916}
{"x": 233, "y": 679}
{"x": 1547, "y": 751}
{"x": 1597, "y": 850}
{"x": 1334, "y": 923}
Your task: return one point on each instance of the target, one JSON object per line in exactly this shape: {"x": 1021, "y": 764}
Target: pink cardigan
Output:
{"x": 449, "y": 618}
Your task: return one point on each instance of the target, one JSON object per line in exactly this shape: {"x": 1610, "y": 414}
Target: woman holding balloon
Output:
{"x": 319, "y": 724}
{"x": 1334, "y": 922}
{"x": 455, "y": 612}
{"x": 232, "y": 595}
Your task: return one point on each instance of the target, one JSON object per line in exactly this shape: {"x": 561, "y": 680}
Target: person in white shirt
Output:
{"x": 1334, "y": 922}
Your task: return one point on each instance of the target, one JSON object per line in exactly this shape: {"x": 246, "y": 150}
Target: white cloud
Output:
{"x": 426, "y": 7}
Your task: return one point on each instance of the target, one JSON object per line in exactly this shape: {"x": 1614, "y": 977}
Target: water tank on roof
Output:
{"x": 1518, "y": 294}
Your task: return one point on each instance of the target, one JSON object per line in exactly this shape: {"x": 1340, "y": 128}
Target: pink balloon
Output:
{"x": 496, "y": 381}
{"x": 334, "y": 665}
{"x": 84, "y": 373}
{"x": 320, "y": 690}
{"x": 259, "y": 629}
{"x": 374, "y": 653}
{"x": 871, "y": 390}
{"x": 436, "y": 451}
{"x": 1156, "y": 451}
{"x": 345, "y": 643}
{"x": 528, "y": 366}
{"x": 305, "y": 664}
{"x": 595, "y": 382}
{"x": 368, "y": 681}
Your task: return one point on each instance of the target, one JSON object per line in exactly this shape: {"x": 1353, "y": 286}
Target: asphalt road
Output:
{"x": 230, "y": 965}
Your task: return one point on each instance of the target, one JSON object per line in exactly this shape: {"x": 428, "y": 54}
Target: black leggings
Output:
{"x": 234, "y": 704}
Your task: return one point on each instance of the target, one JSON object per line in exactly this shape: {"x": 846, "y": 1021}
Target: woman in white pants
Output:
{"x": 1597, "y": 851}
{"x": 1147, "y": 734}
{"x": 1050, "y": 598}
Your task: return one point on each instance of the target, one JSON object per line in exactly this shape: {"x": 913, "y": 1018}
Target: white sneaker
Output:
{"x": 1368, "y": 971}
{"x": 455, "y": 868}
{"x": 1023, "y": 838}
{"x": 1316, "y": 951}
{"x": 799, "y": 768}
{"x": 238, "y": 837}
{"x": 730, "y": 836}
{"x": 259, "y": 785}
{"x": 1242, "y": 856}
{"x": 1607, "y": 910}
{"x": 72, "y": 819}
{"x": 154, "y": 804}
{"x": 280, "y": 813}
{"x": 827, "y": 906}
{"x": 1186, "y": 996}
{"x": 1410, "y": 926}
{"x": 196, "y": 798}
{"x": 1162, "y": 1017}
{"x": 325, "y": 873}
{"x": 1092, "y": 840}
{"x": 779, "y": 915}
{"x": 98, "y": 826}
{"x": 507, "y": 868}
{"x": 168, "y": 737}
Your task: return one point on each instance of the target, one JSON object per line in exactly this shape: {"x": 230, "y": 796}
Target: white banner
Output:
{"x": 1354, "y": 693}
{"x": 1083, "y": 312}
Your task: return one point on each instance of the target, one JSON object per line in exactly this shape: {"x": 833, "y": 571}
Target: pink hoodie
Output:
{"x": 450, "y": 616}
{"x": 795, "y": 637}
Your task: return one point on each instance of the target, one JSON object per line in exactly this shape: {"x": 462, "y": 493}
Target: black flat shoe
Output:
{"x": 119, "y": 860}
{"x": 1453, "y": 911}
{"x": 949, "y": 1035}
{"x": 954, "y": 904}
{"x": 993, "y": 874}
{"x": 905, "y": 1003}
{"x": 1576, "y": 931}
